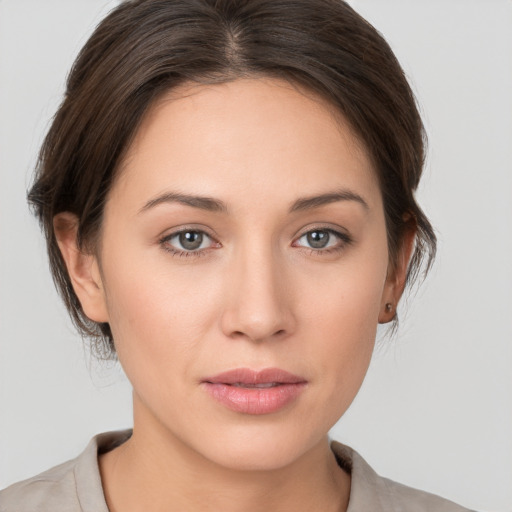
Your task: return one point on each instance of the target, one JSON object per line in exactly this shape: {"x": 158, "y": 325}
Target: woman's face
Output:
{"x": 245, "y": 232}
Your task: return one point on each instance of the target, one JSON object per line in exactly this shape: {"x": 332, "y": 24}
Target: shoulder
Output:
{"x": 74, "y": 486}
{"x": 54, "y": 489}
{"x": 410, "y": 499}
{"x": 370, "y": 491}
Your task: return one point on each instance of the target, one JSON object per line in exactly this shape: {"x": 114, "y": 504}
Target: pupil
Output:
{"x": 318, "y": 239}
{"x": 191, "y": 240}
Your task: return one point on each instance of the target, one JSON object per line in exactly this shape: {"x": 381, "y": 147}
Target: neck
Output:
{"x": 155, "y": 471}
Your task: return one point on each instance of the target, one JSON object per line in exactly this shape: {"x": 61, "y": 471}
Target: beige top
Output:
{"x": 75, "y": 486}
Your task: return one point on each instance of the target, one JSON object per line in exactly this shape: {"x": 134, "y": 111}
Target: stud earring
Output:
{"x": 389, "y": 307}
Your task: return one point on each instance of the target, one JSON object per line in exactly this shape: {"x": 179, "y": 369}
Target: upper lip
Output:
{"x": 248, "y": 376}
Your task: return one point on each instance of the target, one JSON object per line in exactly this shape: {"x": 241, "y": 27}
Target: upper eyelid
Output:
{"x": 338, "y": 231}
{"x": 177, "y": 231}
{"x": 322, "y": 228}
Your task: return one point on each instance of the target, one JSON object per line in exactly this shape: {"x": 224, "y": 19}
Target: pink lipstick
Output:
{"x": 255, "y": 392}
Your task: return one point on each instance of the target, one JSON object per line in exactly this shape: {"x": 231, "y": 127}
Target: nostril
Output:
{"x": 241, "y": 334}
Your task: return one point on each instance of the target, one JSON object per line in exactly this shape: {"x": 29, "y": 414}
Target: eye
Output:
{"x": 187, "y": 242}
{"x": 323, "y": 240}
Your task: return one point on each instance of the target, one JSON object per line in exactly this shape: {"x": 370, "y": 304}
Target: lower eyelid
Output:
{"x": 185, "y": 254}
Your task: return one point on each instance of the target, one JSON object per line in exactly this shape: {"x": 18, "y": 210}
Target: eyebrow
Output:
{"x": 308, "y": 203}
{"x": 215, "y": 205}
{"x": 204, "y": 203}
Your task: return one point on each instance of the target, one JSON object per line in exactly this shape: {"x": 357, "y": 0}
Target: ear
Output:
{"x": 397, "y": 272}
{"x": 83, "y": 268}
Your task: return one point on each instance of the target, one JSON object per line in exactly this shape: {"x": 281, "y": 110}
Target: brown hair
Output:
{"x": 144, "y": 48}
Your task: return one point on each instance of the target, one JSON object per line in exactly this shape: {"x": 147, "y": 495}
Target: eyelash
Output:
{"x": 344, "y": 241}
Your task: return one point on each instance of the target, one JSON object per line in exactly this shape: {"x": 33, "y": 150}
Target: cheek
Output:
{"x": 345, "y": 299}
{"x": 157, "y": 316}
{"x": 342, "y": 319}
{"x": 347, "y": 334}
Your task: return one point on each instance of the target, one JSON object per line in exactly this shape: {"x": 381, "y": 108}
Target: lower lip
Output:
{"x": 255, "y": 400}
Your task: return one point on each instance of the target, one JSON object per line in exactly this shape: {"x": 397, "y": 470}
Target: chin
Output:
{"x": 248, "y": 458}
{"x": 259, "y": 449}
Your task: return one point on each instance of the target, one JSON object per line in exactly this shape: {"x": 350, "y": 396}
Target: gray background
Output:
{"x": 436, "y": 409}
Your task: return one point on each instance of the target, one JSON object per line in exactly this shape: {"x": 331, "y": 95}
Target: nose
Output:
{"x": 258, "y": 302}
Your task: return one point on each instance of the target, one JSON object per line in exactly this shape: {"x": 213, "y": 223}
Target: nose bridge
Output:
{"x": 257, "y": 306}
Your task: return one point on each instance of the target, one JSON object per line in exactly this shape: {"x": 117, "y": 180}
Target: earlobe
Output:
{"x": 82, "y": 267}
{"x": 387, "y": 312}
{"x": 397, "y": 274}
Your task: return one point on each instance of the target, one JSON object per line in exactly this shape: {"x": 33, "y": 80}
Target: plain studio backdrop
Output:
{"x": 436, "y": 409}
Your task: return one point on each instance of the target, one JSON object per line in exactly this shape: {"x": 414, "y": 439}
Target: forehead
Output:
{"x": 249, "y": 134}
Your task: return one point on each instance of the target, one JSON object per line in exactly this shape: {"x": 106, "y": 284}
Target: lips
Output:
{"x": 255, "y": 392}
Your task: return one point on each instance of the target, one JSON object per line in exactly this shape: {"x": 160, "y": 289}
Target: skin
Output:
{"x": 256, "y": 294}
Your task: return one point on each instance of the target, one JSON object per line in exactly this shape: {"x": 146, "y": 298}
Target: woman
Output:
{"x": 227, "y": 193}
